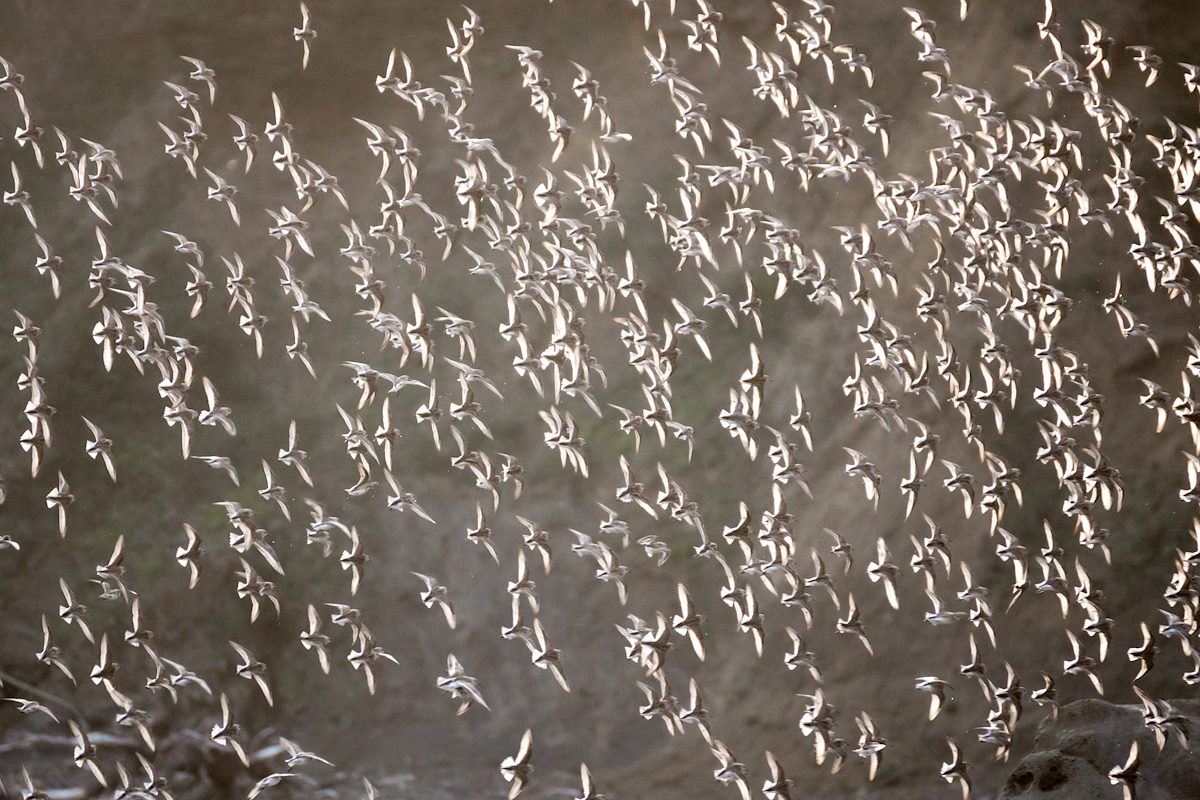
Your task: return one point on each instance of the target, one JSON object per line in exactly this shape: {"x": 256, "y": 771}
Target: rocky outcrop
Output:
{"x": 1072, "y": 756}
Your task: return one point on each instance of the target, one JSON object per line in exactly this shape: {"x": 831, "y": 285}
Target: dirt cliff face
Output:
{"x": 97, "y": 74}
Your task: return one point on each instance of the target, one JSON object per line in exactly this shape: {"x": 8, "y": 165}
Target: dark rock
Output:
{"x": 1072, "y": 756}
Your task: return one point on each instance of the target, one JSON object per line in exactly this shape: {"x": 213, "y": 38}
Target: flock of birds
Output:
{"x": 1001, "y": 201}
